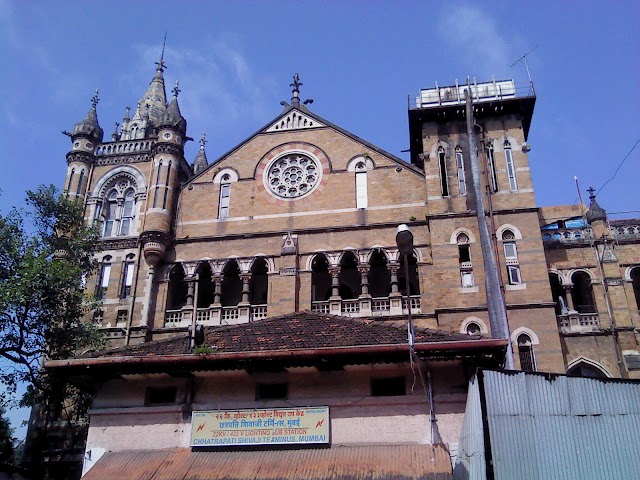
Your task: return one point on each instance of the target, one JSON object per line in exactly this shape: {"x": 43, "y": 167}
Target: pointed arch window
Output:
{"x": 491, "y": 165}
{"x": 127, "y": 276}
{"x": 462, "y": 184}
{"x": 464, "y": 260}
{"x": 127, "y": 212}
{"x": 231, "y": 285}
{"x": 635, "y": 281}
{"x": 442, "y": 162}
{"x": 525, "y": 352}
{"x": 71, "y": 175}
{"x": 413, "y": 281}
{"x": 379, "y": 276}
{"x": 103, "y": 279}
{"x": 582, "y": 293}
{"x": 80, "y": 180}
{"x": 110, "y": 213}
{"x": 259, "y": 283}
{"x": 177, "y": 297}
{"x": 320, "y": 279}
{"x": 206, "y": 291}
{"x": 166, "y": 186}
{"x": 349, "y": 277}
{"x": 511, "y": 257}
{"x": 116, "y": 211}
{"x": 511, "y": 169}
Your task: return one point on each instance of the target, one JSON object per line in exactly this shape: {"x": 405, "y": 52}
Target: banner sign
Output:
{"x": 223, "y": 428}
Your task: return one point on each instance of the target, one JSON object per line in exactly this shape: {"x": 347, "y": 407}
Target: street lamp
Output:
{"x": 404, "y": 241}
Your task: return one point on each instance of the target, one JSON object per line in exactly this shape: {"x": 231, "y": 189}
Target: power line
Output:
{"x": 619, "y": 166}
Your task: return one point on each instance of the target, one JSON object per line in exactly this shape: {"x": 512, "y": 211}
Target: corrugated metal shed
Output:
{"x": 371, "y": 462}
{"x": 546, "y": 426}
{"x": 470, "y": 462}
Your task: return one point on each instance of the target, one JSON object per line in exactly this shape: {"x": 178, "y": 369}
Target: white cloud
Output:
{"x": 472, "y": 33}
{"x": 219, "y": 87}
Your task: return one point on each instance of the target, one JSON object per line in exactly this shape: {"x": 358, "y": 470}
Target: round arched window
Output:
{"x": 293, "y": 176}
{"x": 473, "y": 329}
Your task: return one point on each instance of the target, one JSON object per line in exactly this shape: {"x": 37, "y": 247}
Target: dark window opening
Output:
{"x": 582, "y": 369}
{"x": 442, "y": 159}
{"x": 320, "y": 279}
{"x": 388, "y": 387}
{"x": 272, "y": 391}
{"x": 525, "y": 351}
{"x": 231, "y": 285}
{"x": 205, "y": 286}
{"x": 635, "y": 281}
{"x": 161, "y": 395}
{"x": 463, "y": 253}
{"x": 177, "y": 297}
{"x": 259, "y": 283}
{"x": 121, "y": 316}
{"x": 379, "y": 275}
{"x": 349, "y": 277}
{"x": 557, "y": 292}
{"x": 582, "y": 293}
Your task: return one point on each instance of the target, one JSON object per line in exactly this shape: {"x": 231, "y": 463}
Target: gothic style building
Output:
{"x": 302, "y": 217}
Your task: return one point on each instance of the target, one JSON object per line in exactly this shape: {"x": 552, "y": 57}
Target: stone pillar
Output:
{"x": 395, "y": 298}
{"x": 217, "y": 290}
{"x": 191, "y": 289}
{"x": 245, "y": 288}
{"x": 365, "y": 298}
{"x": 569, "y": 297}
{"x": 335, "y": 302}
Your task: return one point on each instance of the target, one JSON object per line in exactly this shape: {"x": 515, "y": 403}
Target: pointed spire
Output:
{"x": 172, "y": 116}
{"x": 295, "y": 99}
{"x": 201, "y": 163}
{"x": 115, "y": 135}
{"x": 89, "y": 125}
{"x": 595, "y": 212}
{"x": 155, "y": 96}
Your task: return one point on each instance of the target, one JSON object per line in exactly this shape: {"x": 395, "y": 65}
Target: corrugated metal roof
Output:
{"x": 560, "y": 427}
{"x": 371, "y": 462}
{"x": 470, "y": 462}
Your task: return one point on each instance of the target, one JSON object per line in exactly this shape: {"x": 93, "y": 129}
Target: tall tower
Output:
{"x": 462, "y": 251}
{"x": 86, "y": 135}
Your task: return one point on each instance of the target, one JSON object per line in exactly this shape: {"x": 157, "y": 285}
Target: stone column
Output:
{"x": 245, "y": 288}
{"x": 569, "y": 297}
{"x": 191, "y": 289}
{"x": 395, "y": 298}
{"x": 335, "y": 302}
{"x": 217, "y": 290}
{"x": 365, "y": 298}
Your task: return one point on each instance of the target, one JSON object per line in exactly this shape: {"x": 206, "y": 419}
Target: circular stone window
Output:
{"x": 293, "y": 175}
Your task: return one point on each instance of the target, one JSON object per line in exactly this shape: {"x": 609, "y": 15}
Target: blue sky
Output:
{"x": 359, "y": 61}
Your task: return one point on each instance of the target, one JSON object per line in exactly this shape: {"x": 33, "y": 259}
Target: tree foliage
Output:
{"x": 45, "y": 256}
{"x": 7, "y": 442}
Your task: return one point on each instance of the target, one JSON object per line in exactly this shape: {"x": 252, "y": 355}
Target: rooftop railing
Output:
{"x": 482, "y": 92}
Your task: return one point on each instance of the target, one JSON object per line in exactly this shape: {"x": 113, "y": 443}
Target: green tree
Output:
{"x": 45, "y": 257}
{"x": 7, "y": 442}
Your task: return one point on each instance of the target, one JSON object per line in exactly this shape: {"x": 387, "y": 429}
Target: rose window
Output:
{"x": 293, "y": 175}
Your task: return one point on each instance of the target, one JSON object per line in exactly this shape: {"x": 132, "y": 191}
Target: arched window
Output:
{"x": 349, "y": 277}
{"x": 127, "y": 212}
{"x": 525, "y": 351}
{"x": 177, "y": 297}
{"x": 166, "y": 186}
{"x": 73, "y": 172}
{"x": 414, "y": 282}
{"x": 473, "y": 329}
{"x": 320, "y": 279}
{"x": 557, "y": 293}
{"x": 225, "y": 196}
{"x": 511, "y": 169}
{"x": 362, "y": 200}
{"x": 491, "y": 165}
{"x": 511, "y": 257}
{"x": 128, "y": 267}
{"x": 116, "y": 210}
{"x": 635, "y": 281}
{"x": 259, "y": 284}
{"x": 462, "y": 183}
{"x": 379, "y": 275}
{"x": 464, "y": 260}
{"x": 103, "y": 279}
{"x": 582, "y": 293}
{"x": 442, "y": 162}
{"x": 231, "y": 285}
{"x": 584, "y": 369}
{"x": 110, "y": 214}
{"x": 79, "y": 188}
{"x": 205, "y": 286}
{"x": 156, "y": 191}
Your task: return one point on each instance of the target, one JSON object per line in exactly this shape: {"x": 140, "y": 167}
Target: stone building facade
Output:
{"x": 302, "y": 215}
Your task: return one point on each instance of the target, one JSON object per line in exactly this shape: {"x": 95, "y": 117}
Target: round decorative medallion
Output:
{"x": 167, "y": 135}
{"x": 293, "y": 175}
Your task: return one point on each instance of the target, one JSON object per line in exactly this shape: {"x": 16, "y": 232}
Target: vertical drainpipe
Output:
{"x": 495, "y": 302}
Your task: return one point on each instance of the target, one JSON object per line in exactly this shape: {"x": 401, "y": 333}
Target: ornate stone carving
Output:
{"x": 167, "y": 148}
{"x": 117, "y": 244}
{"x": 83, "y": 157}
{"x": 154, "y": 246}
{"x": 122, "y": 159}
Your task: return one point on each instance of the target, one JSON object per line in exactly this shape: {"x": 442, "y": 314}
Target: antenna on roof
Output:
{"x": 523, "y": 59}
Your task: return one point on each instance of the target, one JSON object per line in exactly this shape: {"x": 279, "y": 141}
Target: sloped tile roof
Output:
{"x": 370, "y": 462}
{"x": 300, "y": 330}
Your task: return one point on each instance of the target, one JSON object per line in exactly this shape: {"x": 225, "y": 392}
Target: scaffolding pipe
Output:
{"x": 495, "y": 302}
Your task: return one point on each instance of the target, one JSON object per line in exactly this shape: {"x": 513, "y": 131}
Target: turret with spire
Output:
{"x": 201, "y": 163}
{"x": 86, "y": 135}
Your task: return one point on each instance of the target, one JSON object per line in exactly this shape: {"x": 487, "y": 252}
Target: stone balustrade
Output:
{"x": 578, "y": 322}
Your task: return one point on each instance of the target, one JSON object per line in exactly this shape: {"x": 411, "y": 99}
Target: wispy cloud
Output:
{"x": 471, "y": 33}
{"x": 220, "y": 89}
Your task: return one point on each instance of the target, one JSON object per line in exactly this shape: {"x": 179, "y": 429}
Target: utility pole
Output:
{"x": 495, "y": 302}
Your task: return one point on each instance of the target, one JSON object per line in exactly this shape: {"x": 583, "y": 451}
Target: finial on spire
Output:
{"x": 176, "y": 90}
{"x": 127, "y": 111}
{"x": 592, "y": 193}
{"x": 95, "y": 99}
{"x": 296, "y": 85}
{"x": 203, "y": 140}
{"x": 161, "y": 65}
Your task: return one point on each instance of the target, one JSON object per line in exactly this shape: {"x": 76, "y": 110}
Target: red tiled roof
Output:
{"x": 371, "y": 462}
{"x": 300, "y": 330}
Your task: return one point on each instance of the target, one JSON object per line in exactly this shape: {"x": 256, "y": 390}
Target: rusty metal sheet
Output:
{"x": 369, "y": 462}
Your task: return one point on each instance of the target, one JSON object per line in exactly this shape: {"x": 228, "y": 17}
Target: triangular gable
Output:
{"x": 320, "y": 123}
{"x": 293, "y": 119}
